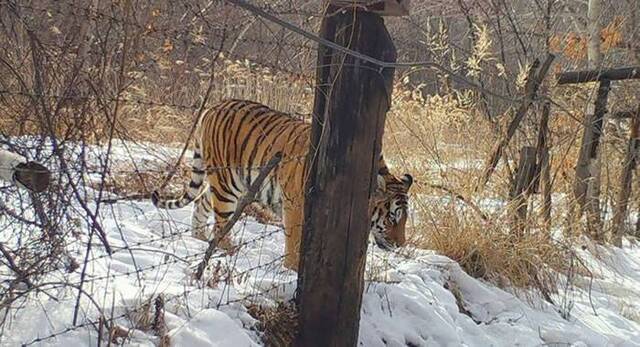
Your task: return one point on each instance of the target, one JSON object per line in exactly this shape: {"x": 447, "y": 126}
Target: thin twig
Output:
{"x": 194, "y": 126}
{"x": 460, "y": 197}
{"x": 248, "y": 198}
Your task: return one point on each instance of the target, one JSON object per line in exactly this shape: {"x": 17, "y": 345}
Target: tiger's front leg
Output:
{"x": 293, "y": 219}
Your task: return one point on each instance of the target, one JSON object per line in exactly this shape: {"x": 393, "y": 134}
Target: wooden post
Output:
{"x": 534, "y": 79}
{"x": 587, "y": 186}
{"x": 587, "y": 189}
{"x": 629, "y": 165}
{"x": 522, "y": 187}
{"x": 351, "y": 101}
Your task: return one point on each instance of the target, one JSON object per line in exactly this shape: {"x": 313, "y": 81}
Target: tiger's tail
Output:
{"x": 196, "y": 185}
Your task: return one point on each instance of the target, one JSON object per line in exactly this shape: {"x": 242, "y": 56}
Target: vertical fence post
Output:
{"x": 351, "y": 101}
{"x": 522, "y": 187}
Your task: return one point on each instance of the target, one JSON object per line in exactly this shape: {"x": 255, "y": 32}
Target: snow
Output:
{"x": 198, "y": 331}
{"x": 412, "y": 298}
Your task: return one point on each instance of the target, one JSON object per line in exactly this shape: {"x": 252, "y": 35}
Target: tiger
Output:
{"x": 234, "y": 139}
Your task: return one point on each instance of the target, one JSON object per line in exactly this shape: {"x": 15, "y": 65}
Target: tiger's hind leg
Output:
{"x": 199, "y": 218}
{"x": 223, "y": 207}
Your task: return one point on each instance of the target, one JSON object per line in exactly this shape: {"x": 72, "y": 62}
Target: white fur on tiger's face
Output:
{"x": 234, "y": 139}
{"x": 390, "y": 209}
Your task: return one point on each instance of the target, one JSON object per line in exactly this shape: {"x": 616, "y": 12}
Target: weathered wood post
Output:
{"x": 522, "y": 187}
{"x": 587, "y": 189}
{"x": 351, "y": 101}
{"x": 27, "y": 174}
{"x": 629, "y": 165}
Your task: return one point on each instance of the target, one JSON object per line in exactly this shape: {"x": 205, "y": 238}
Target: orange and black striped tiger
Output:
{"x": 234, "y": 139}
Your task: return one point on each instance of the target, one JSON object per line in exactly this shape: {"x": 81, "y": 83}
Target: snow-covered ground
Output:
{"x": 412, "y": 298}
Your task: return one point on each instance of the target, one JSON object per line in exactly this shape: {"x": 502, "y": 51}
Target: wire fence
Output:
{"x": 72, "y": 188}
{"x": 71, "y": 94}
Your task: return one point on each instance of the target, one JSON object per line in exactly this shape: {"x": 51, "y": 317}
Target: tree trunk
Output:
{"x": 587, "y": 187}
{"x": 632, "y": 25}
{"x": 350, "y": 107}
{"x": 638, "y": 223}
{"x": 594, "y": 15}
{"x": 629, "y": 165}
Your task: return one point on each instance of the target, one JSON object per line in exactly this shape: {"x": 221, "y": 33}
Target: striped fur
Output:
{"x": 233, "y": 140}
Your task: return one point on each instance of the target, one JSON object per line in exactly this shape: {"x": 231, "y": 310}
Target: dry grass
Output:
{"x": 441, "y": 140}
{"x": 490, "y": 251}
{"x": 233, "y": 79}
{"x": 444, "y": 141}
{"x": 278, "y": 324}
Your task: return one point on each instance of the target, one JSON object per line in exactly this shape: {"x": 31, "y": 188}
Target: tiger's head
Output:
{"x": 390, "y": 208}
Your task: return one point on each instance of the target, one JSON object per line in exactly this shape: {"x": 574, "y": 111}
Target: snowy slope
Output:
{"x": 413, "y": 298}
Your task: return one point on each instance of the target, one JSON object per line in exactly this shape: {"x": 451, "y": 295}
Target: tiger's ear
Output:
{"x": 407, "y": 180}
{"x": 382, "y": 166}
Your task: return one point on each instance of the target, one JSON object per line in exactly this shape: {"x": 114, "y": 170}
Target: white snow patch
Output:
{"x": 408, "y": 300}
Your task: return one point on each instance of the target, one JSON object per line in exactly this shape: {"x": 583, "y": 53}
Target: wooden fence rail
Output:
{"x": 618, "y": 74}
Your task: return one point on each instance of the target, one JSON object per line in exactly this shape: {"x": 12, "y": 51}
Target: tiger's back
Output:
{"x": 245, "y": 135}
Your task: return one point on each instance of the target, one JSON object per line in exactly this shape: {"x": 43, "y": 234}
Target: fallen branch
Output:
{"x": 531, "y": 88}
{"x": 247, "y": 199}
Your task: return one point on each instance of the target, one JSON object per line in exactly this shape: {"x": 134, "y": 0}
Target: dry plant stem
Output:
{"x": 207, "y": 94}
{"x": 543, "y": 166}
{"x": 463, "y": 199}
{"x": 13, "y": 266}
{"x": 248, "y": 198}
{"x": 47, "y": 124}
{"x": 121, "y": 82}
{"x": 159, "y": 324}
{"x": 415, "y": 65}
